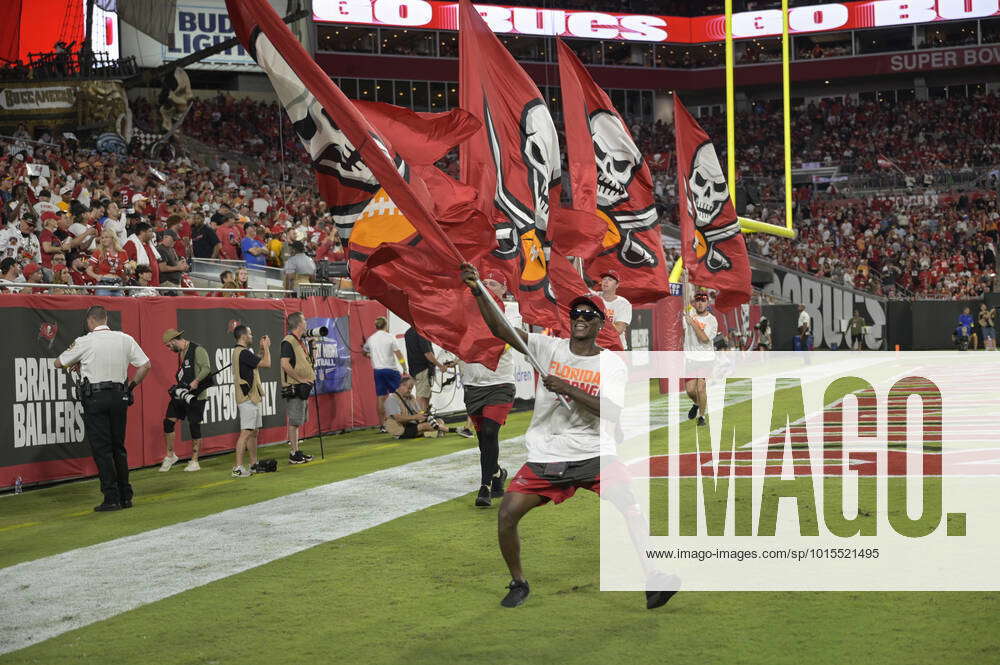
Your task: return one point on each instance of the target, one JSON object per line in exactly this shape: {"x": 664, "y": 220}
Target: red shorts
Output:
{"x": 529, "y": 481}
{"x": 495, "y": 412}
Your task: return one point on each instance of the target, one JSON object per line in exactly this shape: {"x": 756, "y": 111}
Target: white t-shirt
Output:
{"x": 619, "y": 311}
{"x": 474, "y": 374}
{"x": 804, "y": 319}
{"x": 694, "y": 348}
{"x": 558, "y": 434}
{"x": 381, "y": 346}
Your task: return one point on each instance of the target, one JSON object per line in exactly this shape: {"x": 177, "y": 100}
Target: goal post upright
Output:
{"x": 748, "y": 225}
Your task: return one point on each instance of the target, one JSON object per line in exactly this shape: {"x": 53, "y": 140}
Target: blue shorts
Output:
{"x": 386, "y": 381}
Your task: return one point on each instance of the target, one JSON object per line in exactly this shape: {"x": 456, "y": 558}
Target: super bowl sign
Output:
{"x": 827, "y": 17}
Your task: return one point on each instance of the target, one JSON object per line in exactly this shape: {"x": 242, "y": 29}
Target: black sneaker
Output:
{"x": 692, "y": 412}
{"x": 701, "y": 421}
{"x": 296, "y": 458}
{"x": 127, "y": 503}
{"x": 666, "y": 586}
{"x": 483, "y": 498}
{"x": 107, "y": 507}
{"x": 306, "y": 456}
{"x": 517, "y": 595}
{"x": 383, "y": 430}
{"x": 497, "y": 483}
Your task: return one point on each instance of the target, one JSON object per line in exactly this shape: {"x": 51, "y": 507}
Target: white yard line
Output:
{"x": 50, "y": 596}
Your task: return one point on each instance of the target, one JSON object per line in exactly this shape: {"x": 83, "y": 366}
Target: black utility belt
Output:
{"x": 106, "y": 385}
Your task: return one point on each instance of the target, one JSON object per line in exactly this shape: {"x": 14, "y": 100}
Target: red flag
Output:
{"x": 712, "y": 246}
{"x": 610, "y": 176}
{"x": 513, "y": 162}
{"x": 368, "y": 184}
{"x": 420, "y": 138}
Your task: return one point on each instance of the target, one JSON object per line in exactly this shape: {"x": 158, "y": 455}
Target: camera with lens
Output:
{"x": 181, "y": 392}
{"x": 319, "y": 331}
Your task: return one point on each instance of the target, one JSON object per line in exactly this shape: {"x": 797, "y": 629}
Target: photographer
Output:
{"x": 986, "y": 319}
{"x": 187, "y": 396}
{"x": 404, "y": 419}
{"x": 297, "y": 378}
{"x": 249, "y": 394}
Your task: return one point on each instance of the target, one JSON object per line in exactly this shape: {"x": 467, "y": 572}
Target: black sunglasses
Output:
{"x": 585, "y": 314}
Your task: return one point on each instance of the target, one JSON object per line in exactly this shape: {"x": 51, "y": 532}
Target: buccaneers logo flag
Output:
{"x": 398, "y": 255}
{"x": 513, "y": 161}
{"x": 712, "y": 247}
{"x": 609, "y": 175}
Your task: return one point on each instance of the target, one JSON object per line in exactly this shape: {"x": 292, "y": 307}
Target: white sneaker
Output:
{"x": 241, "y": 472}
{"x": 168, "y": 462}
{"x": 193, "y": 466}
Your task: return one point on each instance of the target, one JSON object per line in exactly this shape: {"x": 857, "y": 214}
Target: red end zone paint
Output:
{"x": 864, "y": 463}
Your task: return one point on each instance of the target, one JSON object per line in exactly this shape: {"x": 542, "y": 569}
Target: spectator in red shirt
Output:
{"x": 33, "y": 275}
{"x": 229, "y": 237}
{"x": 78, "y": 272}
{"x": 331, "y": 249}
{"x": 107, "y": 264}
{"x": 51, "y": 239}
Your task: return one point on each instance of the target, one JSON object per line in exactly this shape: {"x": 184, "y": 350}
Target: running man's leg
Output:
{"x": 512, "y": 509}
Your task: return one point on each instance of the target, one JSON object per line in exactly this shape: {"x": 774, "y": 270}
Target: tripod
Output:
{"x": 315, "y": 394}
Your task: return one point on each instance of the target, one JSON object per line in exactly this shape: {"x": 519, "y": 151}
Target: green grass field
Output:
{"x": 425, "y": 588}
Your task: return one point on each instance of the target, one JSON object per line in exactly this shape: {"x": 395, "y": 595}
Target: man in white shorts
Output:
{"x": 249, "y": 394}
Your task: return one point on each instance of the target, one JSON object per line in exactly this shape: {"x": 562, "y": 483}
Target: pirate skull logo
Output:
{"x": 707, "y": 191}
{"x": 540, "y": 149}
{"x": 618, "y": 159}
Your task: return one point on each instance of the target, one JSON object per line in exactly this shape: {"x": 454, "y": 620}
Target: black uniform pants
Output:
{"x": 104, "y": 415}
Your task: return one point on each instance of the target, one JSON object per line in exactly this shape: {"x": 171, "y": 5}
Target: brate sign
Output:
{"x": 826, "y": 17}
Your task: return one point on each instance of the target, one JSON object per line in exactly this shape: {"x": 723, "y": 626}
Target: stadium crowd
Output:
{"x": 83, "y": 216}
{"x": 77, "y": 217}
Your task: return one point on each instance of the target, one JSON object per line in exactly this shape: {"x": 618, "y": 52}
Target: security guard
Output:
{"x": 103, "y": 357}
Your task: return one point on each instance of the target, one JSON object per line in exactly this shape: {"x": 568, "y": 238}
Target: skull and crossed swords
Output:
{"x": 540, "y": 154}
{"x": 707, "y": 193}
{"x": 618, "y": 160}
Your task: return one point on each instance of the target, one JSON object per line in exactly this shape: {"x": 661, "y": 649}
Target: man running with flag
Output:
{"x": 564, "y": 443}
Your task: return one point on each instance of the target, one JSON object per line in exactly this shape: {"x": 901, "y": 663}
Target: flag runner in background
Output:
{"x": 712, "y": 246}
{"x": 513, "y": 162}
{"x": 610, "y": 176}
{"x": 402, "y": 258}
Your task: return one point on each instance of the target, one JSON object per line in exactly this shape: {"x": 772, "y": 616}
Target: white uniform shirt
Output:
{"x": 694, "y": 348}
{"x": 381, "y": 346}
{"x": 104, "y": 355}
{"x": 619, "y": 311}
{"x": 558, "y": 434}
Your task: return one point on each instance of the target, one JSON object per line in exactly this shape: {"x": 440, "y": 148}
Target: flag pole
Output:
{"x": 520, "y": 346}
